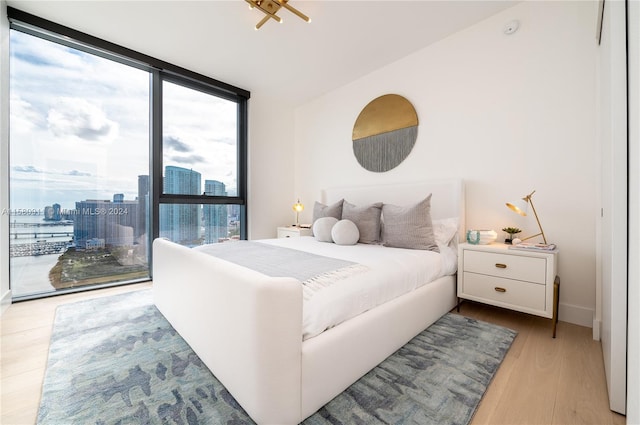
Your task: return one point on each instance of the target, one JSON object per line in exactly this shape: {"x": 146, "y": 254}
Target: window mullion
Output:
{"x": 155, "y": 111}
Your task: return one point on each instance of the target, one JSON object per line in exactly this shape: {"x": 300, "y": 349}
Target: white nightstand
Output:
{"x": 293, "y": 232}
{"x": 519, "y": 280}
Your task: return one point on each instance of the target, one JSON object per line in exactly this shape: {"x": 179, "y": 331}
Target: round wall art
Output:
{"x": 385, "y": 132}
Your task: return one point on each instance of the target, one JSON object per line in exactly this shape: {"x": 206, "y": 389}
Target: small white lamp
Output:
{"x": 521, "y": 207}
{"x": 298, "y": 208}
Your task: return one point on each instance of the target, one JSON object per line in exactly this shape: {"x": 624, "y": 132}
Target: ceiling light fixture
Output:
{"x": 271, "y": 7}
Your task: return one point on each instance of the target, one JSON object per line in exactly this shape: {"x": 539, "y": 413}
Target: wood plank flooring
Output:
{"x": 541, "y": 381}
{"x": 544, "y": 380}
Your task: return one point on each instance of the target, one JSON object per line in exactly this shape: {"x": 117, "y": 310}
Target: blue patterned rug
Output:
{"x": 116, "y": 360}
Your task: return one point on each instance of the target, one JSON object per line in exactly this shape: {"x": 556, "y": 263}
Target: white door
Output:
{"x": 613, "y": 135}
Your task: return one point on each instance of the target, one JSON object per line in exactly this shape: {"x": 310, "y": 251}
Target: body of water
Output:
{"x": 35, "y": 245}
{"x": 30, "y": 275}
{"x": 30, "y": 230}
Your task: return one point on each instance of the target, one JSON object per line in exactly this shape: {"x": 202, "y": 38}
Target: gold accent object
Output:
{"x": 298, "y": 208}
{"x": 520, "y": 207}
{"x": 501, "y": 266}
{"x": 556, "y": 301}
{"x": 499, "y": 289}
{"x": 271, "y": 7}
{"x": 384, "y": 114}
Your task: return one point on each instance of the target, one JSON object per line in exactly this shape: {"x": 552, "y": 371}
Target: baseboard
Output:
{"x": 576, "y": 314}
{"x": 597, "y": 329}
{"x": 5, "y": 302}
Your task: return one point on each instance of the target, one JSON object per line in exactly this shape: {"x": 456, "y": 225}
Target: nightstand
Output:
{"x": 519, "y": 280}
{"x": 293, "y": 232}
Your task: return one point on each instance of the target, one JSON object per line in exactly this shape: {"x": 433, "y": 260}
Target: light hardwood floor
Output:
{"x": 541, "y": 381}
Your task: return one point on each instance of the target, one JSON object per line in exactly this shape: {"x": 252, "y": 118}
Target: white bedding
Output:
{"x": 392, "y": 272}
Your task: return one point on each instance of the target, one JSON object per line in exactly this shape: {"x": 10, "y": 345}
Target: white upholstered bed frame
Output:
{"x": 247, "y": 327}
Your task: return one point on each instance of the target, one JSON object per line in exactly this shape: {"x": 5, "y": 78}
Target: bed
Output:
{"x": 247, "y": 327}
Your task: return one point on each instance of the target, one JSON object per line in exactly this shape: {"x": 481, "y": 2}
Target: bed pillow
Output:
{"x": 322, "y": 228}
{"x": 322, "y": 210}
{"x": 366, "y": 218}
{"x": 409, "y": 227}
{"x": 445, "y": 229}
{"x": 345, "y": 232}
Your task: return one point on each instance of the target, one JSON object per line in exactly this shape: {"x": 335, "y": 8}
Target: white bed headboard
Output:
{"x": 447, "y": 198}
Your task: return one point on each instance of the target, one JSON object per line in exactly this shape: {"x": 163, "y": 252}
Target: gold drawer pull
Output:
{"x": 501, "y": 266}
{"x": 499, "y": 289}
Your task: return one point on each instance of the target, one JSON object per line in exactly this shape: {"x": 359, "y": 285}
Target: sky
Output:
{"x": 79, "y": 127}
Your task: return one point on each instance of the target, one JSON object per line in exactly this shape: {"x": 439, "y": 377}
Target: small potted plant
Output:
{"x": 511, "y": 231}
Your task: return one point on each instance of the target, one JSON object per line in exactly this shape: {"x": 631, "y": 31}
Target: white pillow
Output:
{"x": 445, "y": 229}
{"x": 322, "y": 228}
{"x": 345, "y": 232}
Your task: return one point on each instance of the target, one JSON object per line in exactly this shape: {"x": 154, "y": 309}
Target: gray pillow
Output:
{"x": 366, "y": 218}
{"x": 409, "y": 227}
{"x": 322, "y": 210}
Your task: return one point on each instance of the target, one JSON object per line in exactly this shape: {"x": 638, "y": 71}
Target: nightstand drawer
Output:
{"x": 286, "y": 233}
{"x": 293, "y": 232}
{"x": 504, "y": 291}
{"x": 529, "y": 269}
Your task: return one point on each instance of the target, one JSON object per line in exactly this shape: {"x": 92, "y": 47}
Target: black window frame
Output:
{"x": 159, "y": 71}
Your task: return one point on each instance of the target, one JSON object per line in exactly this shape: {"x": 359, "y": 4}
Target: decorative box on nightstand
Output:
{"x": 293, "y": 232}
{"x": 519, "y": 280}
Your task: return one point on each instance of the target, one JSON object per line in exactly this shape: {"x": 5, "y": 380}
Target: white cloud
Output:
{"x": 24, "y": 117}
{"x": 63, "y": 98}
{"x": 82, "y": 119}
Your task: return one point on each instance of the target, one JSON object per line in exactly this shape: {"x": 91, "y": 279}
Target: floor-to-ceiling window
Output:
{"x": 200, "y": 164}
{"x": 108, "y": 150}
{"x": 79, "y": 155}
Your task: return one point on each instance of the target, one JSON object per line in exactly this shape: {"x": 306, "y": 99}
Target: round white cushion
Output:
{"x": 322, "y": 228}
{"x": 345, "y": 232}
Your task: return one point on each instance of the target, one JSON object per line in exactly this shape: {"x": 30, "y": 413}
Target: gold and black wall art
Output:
{"x": 384, "y": 133}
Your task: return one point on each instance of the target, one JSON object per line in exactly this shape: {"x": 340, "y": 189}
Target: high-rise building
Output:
{"x": 215, "y": 216}
{"x": 181, "y": 222}
{"x": 112, "y": 222}
{"x": 53, "y": 213}
{"x": 48, "y": 213}
{"x": 57, "y": 212}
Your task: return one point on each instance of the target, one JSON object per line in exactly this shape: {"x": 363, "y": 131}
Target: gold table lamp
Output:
{"x": 298, "y": 208}
{"x": 521, "y": 207}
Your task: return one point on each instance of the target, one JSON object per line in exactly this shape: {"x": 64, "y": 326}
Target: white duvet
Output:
{"x": 392, "y": 272}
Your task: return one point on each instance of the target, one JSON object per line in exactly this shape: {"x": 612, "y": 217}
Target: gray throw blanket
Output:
{"x": 314, "y": 271}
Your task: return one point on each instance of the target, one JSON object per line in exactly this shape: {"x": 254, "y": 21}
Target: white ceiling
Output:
{"x": 294, "y": 61}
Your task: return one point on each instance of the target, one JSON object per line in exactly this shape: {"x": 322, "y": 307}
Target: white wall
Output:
{"x": 507, "y": 113}
{"x": 271, "y": 193}
{"x": 5, "y": 293}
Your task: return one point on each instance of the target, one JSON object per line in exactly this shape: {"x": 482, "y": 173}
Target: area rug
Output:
{"x": 116, "y": 360}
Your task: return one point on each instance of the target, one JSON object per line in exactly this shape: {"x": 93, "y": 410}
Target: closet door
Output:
{"x": 613, "y": 226}
{"x": 633, "y": 350}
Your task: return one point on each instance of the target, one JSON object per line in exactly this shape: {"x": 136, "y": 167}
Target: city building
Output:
{"x": 181, "y": 222}
{"x": 53, "y": 212}
{"x": 215, "y": 216}
{"x": 114, "y": 222}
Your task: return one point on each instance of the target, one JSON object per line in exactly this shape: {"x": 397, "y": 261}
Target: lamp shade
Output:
{"x": 298, "y": 207}
{"x": 520, "y": 206}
